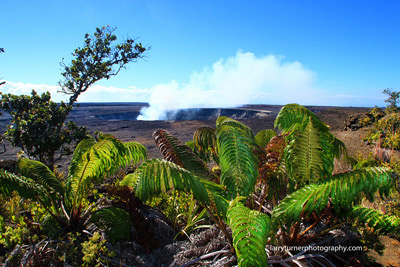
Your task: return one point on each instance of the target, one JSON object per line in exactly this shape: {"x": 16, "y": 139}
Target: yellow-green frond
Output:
{"x": 373, "y": 218}
{"x": 102, "y": 158}
{"x": 342, "y": 190}
{"x": 25, "y": 187}
{"x": 40, "y": 173}
{"x": 304, "y": 155}
{"x": 159, "y": 175}
{"x": 237, "y": 161}
{"x": 250, "y": 231}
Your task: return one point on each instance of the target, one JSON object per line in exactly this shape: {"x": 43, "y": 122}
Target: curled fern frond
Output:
{"x": 173, "y": 150}
{"x": 373, "y": 218}
{"x": 250, "y": 231}
{"x": 237, "y": 161}
{"x": 114, "y": 221}
{"x": 342, "y": 190}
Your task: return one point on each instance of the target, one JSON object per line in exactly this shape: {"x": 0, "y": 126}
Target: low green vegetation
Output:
{"x": 256, "y": 185}
{"x": 384, "y": 123}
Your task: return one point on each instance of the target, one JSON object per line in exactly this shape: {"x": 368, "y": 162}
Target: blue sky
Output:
{"x": 222, "y": 53}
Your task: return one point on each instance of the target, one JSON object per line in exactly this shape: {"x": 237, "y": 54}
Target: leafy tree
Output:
{"x": 393, "y": 99}
{"x": 39, "y": 125}
{"x": 65, "y": 200}
{"x": 315, "y": 190}
{"x": 98, "y": 59}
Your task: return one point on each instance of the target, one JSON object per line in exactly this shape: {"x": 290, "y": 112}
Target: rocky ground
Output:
{"x": 141, "y": 131}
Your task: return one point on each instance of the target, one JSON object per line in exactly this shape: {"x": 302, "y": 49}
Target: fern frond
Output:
{"x": 342, "y": 190}
{"x": 114, "y": 221}
{"x": 263, "y": 137}
{"x": 222, "y": 120}
{"x": 40, "y": 173}
{"x": 173, "y": 150}
{"x": 294, "y": 116}
{"x": 339, "y": 148}
{"x": 237, "y": 161}
{"x": 26, "y": 187}
{"x": 296, "y": 122}
{"x": 250, "y": 231}
{"x": 158, "y": 175}
{"x": 136, "y": 153}
{"x": 102, "y": 158}
{"x": 205, "y": 140}
{"x": 304, "y": 155}
{"x": 205, "y": 137}
{"x": 377, "y": 220}
{"x": 81, "y": 148}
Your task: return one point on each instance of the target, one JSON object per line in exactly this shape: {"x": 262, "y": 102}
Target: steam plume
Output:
{"x": 242, "y": 79}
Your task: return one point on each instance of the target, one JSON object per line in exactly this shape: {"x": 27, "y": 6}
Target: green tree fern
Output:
{"x": 307, "y": 160}
{"x": 64, "y": 200}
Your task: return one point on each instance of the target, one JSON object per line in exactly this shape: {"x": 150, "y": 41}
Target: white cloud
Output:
{"x": 19, "y": 88}
{"x": 96, "y": 93}
{"x": 238, "y": 80}
{"x": 242, "y": 79}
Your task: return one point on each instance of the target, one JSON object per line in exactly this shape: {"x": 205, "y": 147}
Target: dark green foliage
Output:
{"x": 26, "y": 187}
{"x": 250, "y": 231}
{"x": 114, "y": 221}
{"x": 38, "y": 126}
{"x": 366, "y": 163}
{"x": 40, "y": 173}
{"x": 98, "y": 59}
{"x": 263, "y": 137}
